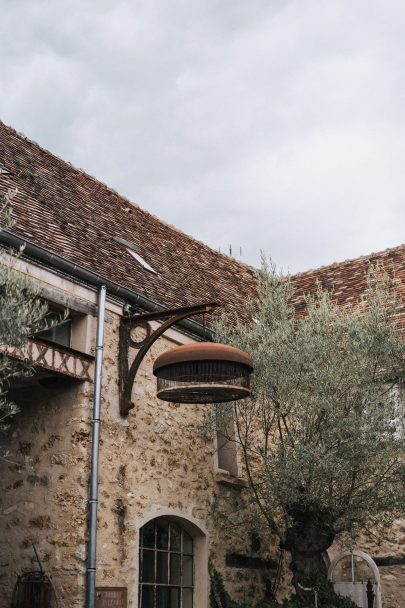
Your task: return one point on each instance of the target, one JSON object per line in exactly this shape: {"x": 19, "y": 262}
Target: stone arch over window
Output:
{"x": 172, "y": 563}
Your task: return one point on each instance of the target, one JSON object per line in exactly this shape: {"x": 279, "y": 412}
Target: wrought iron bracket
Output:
{"x": 129, "y": 323}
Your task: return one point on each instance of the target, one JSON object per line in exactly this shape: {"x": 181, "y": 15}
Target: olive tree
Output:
{"x": 321, "y": 446}
{"x": 22, "y": 314}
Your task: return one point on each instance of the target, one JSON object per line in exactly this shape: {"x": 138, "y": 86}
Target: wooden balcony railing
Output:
{"x": 55, "y": 358}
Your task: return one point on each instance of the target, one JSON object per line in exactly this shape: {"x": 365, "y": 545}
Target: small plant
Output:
{"x": 219, "y": 597}
{"x": 22, "y": 314}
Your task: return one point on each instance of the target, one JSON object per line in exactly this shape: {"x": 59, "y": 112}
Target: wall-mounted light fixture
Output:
{"x": 203, "y": 372}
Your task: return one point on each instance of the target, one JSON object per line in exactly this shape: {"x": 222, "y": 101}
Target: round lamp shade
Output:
{"x": 204, "y": 372}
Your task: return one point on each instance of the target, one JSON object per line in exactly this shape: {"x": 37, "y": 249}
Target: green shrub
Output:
{"x": 327, "y": 598}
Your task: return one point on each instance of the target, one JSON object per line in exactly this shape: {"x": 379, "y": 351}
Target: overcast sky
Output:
{"x": 273, "y": 125}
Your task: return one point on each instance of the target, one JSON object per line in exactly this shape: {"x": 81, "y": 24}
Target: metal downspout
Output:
{"x": 93, "y": 501}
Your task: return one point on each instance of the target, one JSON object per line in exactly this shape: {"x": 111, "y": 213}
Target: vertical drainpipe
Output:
{"x": 93, "y": 501}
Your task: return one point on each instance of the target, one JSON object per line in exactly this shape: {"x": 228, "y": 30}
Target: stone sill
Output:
{"x": 224, "y": 478}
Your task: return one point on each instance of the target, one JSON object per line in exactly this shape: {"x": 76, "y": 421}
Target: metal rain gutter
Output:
{"x": 56, "y": 261}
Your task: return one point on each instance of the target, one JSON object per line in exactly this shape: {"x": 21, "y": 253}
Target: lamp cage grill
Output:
{"x": 203, "y": 373}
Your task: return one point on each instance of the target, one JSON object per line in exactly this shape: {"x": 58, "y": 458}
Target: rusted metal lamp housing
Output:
{"x": 203, "y": 373}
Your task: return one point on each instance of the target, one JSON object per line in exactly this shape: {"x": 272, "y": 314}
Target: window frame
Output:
{"x": 227, "y": 449}
{"x": 183, "y": 552}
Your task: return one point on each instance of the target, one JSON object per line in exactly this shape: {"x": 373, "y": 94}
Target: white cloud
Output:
{"x": 271, "y": 125}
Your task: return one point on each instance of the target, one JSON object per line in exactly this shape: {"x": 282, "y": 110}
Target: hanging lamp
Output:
{"x": 204, "y": 372}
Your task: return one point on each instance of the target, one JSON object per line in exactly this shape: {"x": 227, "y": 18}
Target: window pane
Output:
{"x": 146, "y": 597}
{"x": 162, "y": 527}
{"x": 166, "y": 568}
{"x": 174, "y": 598}
{"x": 162, "y": 597}
{"x": 148, "y": 535}
{"x": 162, "y": 570}
{"x": 148, "y": 566}
{"x": 226, "y": 444}
{"x": 187, "y": 544}
{"x": 60, "y": 333}
{"x": 175, "y": 538}
{"x": 175, "y": 565}
{"x": 187, "y": 598}
{"x": 167, "y": 597}
{"x": 187, "y": 570}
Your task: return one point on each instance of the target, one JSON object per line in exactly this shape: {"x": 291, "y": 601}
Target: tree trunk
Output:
{"x": 307, "y": 540}
{"x": 309, "y": 571}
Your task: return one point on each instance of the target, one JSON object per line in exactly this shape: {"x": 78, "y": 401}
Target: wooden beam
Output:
{"x": 66, "y": 300}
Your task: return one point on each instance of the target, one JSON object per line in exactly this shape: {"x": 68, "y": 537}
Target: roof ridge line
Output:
{"x": 362, "y": 258}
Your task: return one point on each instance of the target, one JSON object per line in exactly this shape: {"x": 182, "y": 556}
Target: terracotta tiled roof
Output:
{"x": 347, "y": 280}
{"x": 73, "y": 215}
{"x": 70, "y": 213}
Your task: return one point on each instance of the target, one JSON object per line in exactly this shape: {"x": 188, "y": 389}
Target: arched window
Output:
{"x": 166, "y": 572}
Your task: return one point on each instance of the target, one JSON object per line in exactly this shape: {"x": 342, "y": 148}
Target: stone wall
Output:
{"x": 155, "y": 461}
{"x": 44, "y": 488}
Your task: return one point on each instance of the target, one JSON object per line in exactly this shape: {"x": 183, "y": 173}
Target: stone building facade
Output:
{"x": 166, "y": 481}
{"x": 154, "y": 463}
{"x": 157, "y": 464}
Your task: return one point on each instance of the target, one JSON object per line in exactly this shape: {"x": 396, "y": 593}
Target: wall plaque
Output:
{"x": 111, "y": 597}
